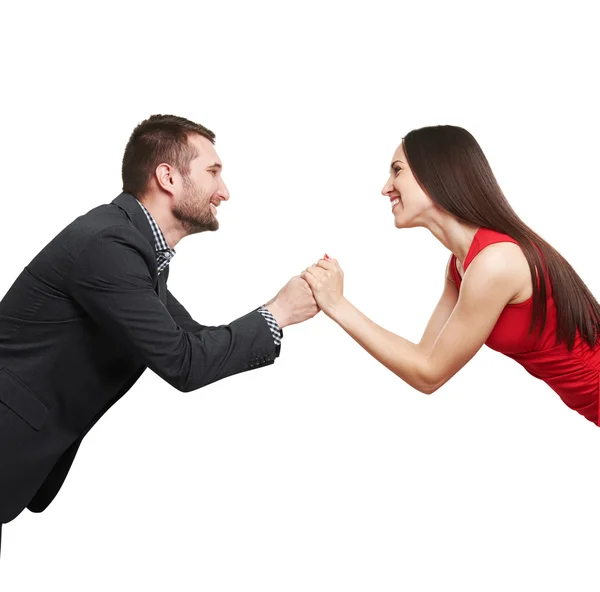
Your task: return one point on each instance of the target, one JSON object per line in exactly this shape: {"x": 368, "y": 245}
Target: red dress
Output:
{"x": 574, "y": 375}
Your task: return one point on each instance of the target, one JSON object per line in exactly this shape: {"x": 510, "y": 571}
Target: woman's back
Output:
{"x": 575, "y": 375}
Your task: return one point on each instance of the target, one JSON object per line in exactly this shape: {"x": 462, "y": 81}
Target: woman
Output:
{"x": 505, "y": 286}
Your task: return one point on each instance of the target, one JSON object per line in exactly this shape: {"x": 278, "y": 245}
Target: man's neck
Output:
{"x": 168, "y": 224}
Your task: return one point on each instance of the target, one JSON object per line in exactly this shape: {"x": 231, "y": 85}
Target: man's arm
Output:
{"x": 182, "y": 317}
{"x": 111, "y": 280}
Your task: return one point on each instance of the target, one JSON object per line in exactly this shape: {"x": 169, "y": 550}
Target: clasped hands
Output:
{"x": 318, "y": 287}
{"x": 326, "y": 281}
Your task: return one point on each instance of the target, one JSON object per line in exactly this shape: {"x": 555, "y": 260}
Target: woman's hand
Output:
{"x": 326, "y": 280}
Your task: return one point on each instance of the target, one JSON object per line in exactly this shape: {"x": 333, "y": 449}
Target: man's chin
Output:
{"x": 210, "y": 227}
{"x": 196, "y": 226}
{"x": 206, "y": 224}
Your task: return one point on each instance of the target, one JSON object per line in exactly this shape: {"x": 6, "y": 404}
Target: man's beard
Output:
{"x": 193, "y": 211}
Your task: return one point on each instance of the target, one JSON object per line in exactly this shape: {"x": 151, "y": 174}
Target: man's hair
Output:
{"x": 158, "y": 139}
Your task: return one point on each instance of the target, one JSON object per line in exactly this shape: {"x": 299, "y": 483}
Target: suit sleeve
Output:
{"x": 182, "y": 317}
{"x": 112, "y": 281}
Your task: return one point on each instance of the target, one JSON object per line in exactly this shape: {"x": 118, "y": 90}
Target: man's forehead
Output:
{"x": 205, "y": 149}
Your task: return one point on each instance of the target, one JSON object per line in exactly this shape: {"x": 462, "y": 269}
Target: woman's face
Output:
{"x": 409, "y": 203}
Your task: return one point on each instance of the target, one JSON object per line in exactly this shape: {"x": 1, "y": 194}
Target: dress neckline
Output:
{"x": 469, "y": 255}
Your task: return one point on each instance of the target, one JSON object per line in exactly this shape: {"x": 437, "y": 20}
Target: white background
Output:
{"x": 323, "y": 472}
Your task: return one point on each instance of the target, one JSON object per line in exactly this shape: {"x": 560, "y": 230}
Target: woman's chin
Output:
{"x": 404, "y": 224}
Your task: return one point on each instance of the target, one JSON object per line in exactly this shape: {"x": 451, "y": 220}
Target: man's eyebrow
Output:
{"x": 215, "y": 165}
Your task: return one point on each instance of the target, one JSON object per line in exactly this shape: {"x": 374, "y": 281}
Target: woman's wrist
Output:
{"x": 337, "y": 311}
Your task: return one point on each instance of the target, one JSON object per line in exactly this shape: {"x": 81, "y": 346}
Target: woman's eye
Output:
{"x": 397, "y": 170}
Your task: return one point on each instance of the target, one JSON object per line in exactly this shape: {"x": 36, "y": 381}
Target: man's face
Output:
{"x": 203, "y": 189}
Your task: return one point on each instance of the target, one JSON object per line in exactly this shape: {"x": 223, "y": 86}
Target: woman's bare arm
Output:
{"x": 491, "y": 281}
{"x": 441, "y": 313}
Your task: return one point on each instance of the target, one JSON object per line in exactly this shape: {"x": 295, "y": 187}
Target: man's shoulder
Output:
{"x": 101, "y": 223}
{"x": 106, "y": 223}
{"x": 99, "y": 218}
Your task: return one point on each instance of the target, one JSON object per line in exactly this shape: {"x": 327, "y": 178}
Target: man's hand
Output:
{"x": 293, "y": 304}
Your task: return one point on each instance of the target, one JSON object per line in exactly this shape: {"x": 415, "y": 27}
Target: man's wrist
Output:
{"x": 276, "y": 330}
{"x": 278, "y": 314}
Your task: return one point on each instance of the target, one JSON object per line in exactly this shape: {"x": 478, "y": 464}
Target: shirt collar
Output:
{"x": 160, "y": 243}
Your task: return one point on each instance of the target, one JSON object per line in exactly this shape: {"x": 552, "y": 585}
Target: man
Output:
{"x": 92, "y": 311}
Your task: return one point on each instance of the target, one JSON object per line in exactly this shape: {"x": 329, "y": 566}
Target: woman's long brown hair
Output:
{"x": 452, "y": 169}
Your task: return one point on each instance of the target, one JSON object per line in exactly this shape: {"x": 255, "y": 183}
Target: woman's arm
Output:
{"x": 490, "y": 282}
{"x": 441, "y": 313}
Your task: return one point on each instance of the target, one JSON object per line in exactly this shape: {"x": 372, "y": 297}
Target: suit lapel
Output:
{"x": 130, "y": 204}
{"x": 161, "y": 287}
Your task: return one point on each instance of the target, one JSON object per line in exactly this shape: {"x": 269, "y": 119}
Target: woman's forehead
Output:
{"x": 399, "y": 154}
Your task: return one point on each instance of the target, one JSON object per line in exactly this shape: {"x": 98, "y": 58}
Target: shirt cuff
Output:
{"x": 273, "y": 325}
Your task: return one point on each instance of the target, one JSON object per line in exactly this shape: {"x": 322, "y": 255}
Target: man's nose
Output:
{"x": 222, "y": 190}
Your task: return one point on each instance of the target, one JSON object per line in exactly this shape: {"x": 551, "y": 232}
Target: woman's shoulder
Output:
{"x": 500, "y": 248}
{"x": 500, "y": 257}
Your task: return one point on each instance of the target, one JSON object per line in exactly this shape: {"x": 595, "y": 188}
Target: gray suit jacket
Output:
{"x": 78, "y": 327}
